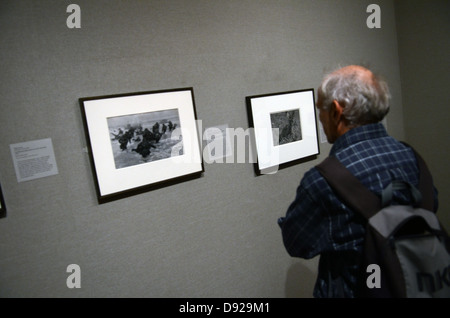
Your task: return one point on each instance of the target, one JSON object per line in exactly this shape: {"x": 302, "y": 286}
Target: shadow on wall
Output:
{"x": 300, "y": 280}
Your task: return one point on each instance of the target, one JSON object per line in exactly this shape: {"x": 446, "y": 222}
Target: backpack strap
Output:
{"x": 425, "y": 181}
{"x": 361, "y": 199}
{"x": 349, "y": 188}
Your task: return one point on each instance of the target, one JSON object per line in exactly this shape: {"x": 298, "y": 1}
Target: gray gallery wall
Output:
{"x": 215, "y": 236}
{"x": 424, "y": 47}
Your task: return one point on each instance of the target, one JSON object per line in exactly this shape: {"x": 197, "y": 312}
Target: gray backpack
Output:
{"x": 406, "y": 250}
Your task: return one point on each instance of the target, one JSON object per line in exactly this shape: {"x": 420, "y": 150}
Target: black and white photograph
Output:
{"x": 286, "y": 127}
{"x": 147, "y": 137}
{"x": 141, "y": 141}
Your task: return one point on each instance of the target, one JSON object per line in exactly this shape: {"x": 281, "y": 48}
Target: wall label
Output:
{"x": 34, "y": 159}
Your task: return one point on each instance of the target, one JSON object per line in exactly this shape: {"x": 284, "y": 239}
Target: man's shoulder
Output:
{"x": 312, "y": 179}
{"x": 374, "y": 152}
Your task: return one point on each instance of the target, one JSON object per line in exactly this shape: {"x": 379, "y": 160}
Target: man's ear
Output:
{"x": 336, "y": 111}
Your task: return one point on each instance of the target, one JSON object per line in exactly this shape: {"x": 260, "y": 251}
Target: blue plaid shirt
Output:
{"x": 317, "y": 222}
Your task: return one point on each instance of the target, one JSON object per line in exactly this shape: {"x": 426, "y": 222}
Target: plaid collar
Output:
{"x": 358, "y": 134}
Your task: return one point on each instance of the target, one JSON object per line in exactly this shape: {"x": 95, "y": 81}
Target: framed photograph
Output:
{"x": 2, "y": 204}
{"x": 285, "y": 128}
{"x": 141, "y": 141}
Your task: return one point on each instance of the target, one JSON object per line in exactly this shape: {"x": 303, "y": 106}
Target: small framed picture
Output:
{"x": 141, "y": 141}
{"x": 285, "y": 128}
{"x": 2, "y": 204}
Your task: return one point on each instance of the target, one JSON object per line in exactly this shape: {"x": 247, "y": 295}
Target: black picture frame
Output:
{"x": 285, "y": 129}
{"x": 141, "y": 141}
{"x": 2, "y": 204}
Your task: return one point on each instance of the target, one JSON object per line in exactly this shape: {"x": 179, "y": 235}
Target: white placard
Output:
{"x": 34, "y": 159}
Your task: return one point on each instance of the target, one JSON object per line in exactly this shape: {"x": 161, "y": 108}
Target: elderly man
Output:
{"x": 352, "y": 101}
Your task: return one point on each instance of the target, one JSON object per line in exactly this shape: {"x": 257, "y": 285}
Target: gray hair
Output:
{"x": 365, "y": 100}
